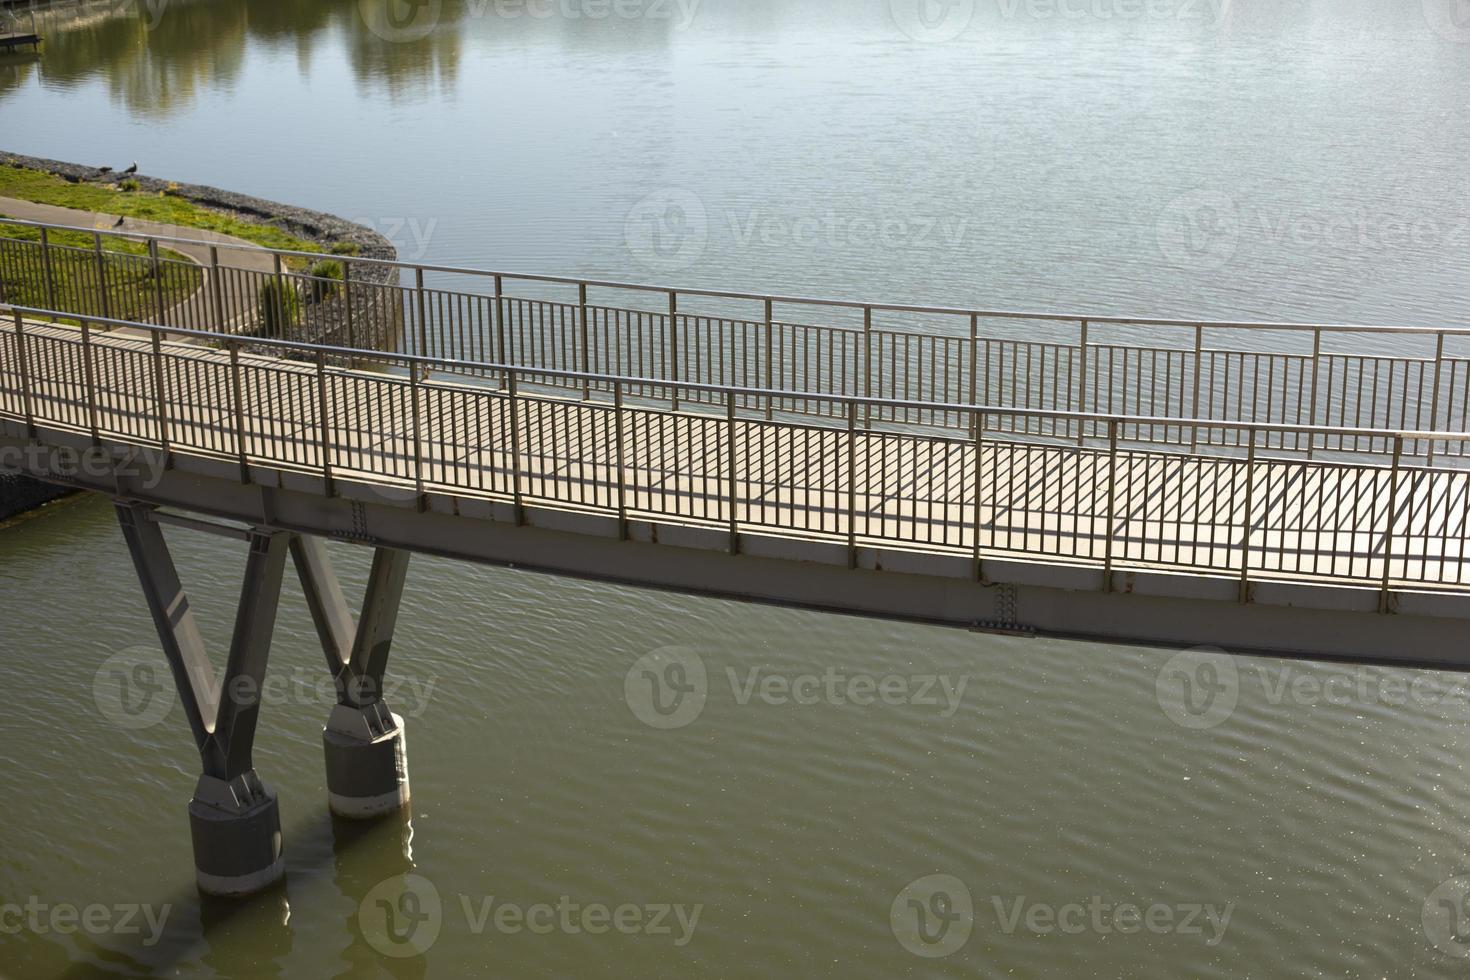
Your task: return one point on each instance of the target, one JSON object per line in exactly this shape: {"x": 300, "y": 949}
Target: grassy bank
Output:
{"x": 44, "y": 188}
{"x": 133, "y": 287}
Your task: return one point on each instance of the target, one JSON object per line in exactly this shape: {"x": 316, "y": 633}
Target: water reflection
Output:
{"x": 247, "y": 938}
{"x": 157, "y": 55}
{"x": 369, "y": 853}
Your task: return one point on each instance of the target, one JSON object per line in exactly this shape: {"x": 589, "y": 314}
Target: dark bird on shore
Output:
{"x": 119, "y": 222}
{"x": 103, "y": 170}
{"x": 133, "y": 169}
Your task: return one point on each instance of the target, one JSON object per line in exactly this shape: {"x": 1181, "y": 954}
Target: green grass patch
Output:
{"x": 326, "y": 279}
{"x": 279, "y": 304}
{"x": 44, "y": 188}
{"x": 133, "y": 288}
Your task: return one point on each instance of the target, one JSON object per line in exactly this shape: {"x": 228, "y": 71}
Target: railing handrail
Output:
{"x": 762, "y": 297}
{"x": 777, "y": 394}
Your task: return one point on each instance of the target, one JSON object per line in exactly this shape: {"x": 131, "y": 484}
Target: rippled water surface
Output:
{"x": 1266, "y": 160}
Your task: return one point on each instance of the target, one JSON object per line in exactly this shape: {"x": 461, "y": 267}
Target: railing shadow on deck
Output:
{"x": 735, "y": 458}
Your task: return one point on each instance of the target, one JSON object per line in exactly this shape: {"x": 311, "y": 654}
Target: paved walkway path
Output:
{"x": 1300, "y": 520}
{"x": 198, "y": 309}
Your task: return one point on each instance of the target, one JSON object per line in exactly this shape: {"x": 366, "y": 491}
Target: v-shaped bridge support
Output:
{"x": 233, "y": 815}
{"x": 367, "y": 766}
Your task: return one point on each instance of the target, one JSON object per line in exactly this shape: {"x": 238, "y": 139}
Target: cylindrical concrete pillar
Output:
{"x": 367, "y": 761}
{"x": 236, "y": 826}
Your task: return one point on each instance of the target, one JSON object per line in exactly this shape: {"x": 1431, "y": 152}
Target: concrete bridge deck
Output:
{"x": 444, "y": 454}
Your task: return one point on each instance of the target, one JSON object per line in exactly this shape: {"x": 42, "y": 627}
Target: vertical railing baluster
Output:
{"x": 218, "y": 288}
{"x": 852, "y": 484}
{"x": 1250, "y": 500}
{"x": 867, "y": 366}
{"x": 323, "y": 409}
{"x": 1393, "y": 516}
{"x": 586, "y": 339}
{"x": 238, "y": 401}
{"x": 421, "y": 304}
{"x": 1316, "y": 363}
{"x": 732, "y": 469}
{"x": 347, "y": 315}
{"x": 23, "y": 358}
{"x": 770, "y": 361}
{"x": 1112, "y": 504}
{"x": 416, "y": 414}
{"x": 1082, "y": 423}
{"x": 101, "y": 275}
{"x": 1199, "y": 356}
{"x": 278, "y": 296}
{"x": 977, "y": 425}
{"x": 46, "y": 271}
{"x": 160, "y": 392}
{"x": 622, "y": 479}
{"x": 1434, "y": 397}
{"x": 159, "y": 300}
{"x": 673, "y": 349}
{"x": 500, "y": 331}
{"x": 518, "y": 513}
{"x": 91, "y": 381}
{"x": 974, "y": 367}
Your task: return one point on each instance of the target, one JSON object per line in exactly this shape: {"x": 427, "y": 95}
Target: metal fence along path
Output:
{"x": 1058, "y": 374}
{"x": 854, "y": 470}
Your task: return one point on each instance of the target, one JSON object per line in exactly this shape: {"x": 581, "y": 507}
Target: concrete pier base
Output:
{"x": 236, "y": 826}
{"x": 367, "y": 761}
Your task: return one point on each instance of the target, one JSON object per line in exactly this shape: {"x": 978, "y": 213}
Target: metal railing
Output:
{"x": 411, "y": 425}
{"x": 920, "y": 365}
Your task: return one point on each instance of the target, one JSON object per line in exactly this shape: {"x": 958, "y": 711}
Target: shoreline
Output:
{"x": 21, "y": 494}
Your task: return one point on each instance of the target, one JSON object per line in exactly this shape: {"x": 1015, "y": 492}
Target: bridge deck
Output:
{"x": 1290, "y": 518}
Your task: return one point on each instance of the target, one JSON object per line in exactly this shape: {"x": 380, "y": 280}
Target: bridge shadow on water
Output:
{"x": 329, "y": 861}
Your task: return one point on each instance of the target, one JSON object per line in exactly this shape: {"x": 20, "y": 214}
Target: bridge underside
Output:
{"x": 1051, "y": 598}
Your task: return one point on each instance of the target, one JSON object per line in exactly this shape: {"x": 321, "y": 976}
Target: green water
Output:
{"x": 1035, "y": 159}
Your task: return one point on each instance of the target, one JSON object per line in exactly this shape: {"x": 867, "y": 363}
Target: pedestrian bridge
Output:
{"x": 1287, "y": 487}
{"x": 1277, "y": 487}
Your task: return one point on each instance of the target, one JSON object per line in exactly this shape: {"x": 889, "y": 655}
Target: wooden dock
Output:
{"x": 10, "y": 41}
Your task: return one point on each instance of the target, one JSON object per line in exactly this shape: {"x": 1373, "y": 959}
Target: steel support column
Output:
{"x": 367, "y": 763}
{"x": 233, "y": 815}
